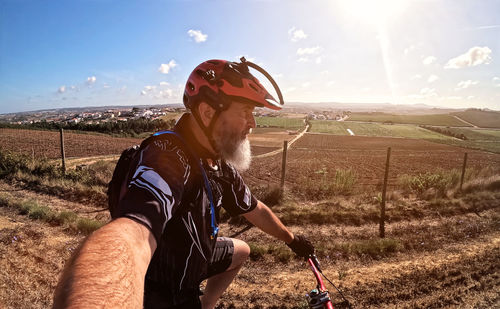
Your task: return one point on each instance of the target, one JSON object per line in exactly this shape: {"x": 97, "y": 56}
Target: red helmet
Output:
{"x": 219, "y": 82}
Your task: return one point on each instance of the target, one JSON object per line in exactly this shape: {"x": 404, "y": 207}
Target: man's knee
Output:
{"x": 240, "y": 254}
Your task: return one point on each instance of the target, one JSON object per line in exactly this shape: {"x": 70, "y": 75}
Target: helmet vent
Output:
{"x": 253, "y": 87}
{"x": 190, "y": 86}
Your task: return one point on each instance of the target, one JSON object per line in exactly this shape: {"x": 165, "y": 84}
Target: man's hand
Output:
{"x": 301, "y": 246}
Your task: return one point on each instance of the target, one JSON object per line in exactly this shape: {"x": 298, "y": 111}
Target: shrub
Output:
{"x": 65, "y": 217}
{"x": 279, "y": 252}
{"x": 256, "y": 251}
{"x": 11, "y": 163}
{"x": 375, "y": 248}
{"x": 439, "y": 181}
{"x": 491, "y": 183}
{"x": 87, "y": 226}
{"x": 325, "y": 186}
{"x": 270, "y": 195}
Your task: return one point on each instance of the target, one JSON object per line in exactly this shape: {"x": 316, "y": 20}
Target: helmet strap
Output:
{"x": 208, "y": 130}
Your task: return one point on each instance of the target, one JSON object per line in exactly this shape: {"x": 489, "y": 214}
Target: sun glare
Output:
{"x": 372, "y": 11}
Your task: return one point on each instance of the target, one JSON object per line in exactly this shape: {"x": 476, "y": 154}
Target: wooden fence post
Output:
{"x": 463, "y": 171}
{"x": 63, "y": 158}
{"x": 283, "y": 165}
{"x": 384, "y": 190}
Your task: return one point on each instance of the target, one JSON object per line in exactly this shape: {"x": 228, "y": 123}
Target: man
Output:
{"x": 163, "y": 241}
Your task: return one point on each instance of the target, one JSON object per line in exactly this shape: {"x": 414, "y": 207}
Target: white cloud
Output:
{"x": 165, "y": 68}
{"x": 61, "y": 89}
{"x": 466, "y": 84}
{"x": 330, "y": 83}
{"x": 164, "y": 94}
{"x": 296, "y": 34}
{"x": 306, "y": 84}
{"x": 91, "y": 80}
{"x": 197, "y": 35}
{"x": 474, "y": 56}
{"x": 319, "y": 60}
{"x": 155, "y": 92}
{"x": 432, "y": 78}
{"x": 428, "y": 92}
{"x": 429, "y": 60}
{"x": 288, "y": 90}
{"x": 303, "y": 59}
{"x": 496, "y": 81}
{"x": 416, "y": 76}
{"x": 309, "y": 50}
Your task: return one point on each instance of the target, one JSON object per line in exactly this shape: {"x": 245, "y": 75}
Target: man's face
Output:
{"x": 230, "y": 134}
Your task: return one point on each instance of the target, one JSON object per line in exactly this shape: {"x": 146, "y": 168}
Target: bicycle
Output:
{"x": 319, "y": 298}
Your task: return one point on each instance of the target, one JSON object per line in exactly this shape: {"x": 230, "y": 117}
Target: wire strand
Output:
{"x": 340, "y": 292}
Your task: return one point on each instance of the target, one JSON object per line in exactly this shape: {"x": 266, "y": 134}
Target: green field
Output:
{"x": 488, "y": 140}
{"x": 435, "y": 120}
{"x": 374, "y": 129}
{"x": 483, "y": 119}
{"x": 280, "y": 122}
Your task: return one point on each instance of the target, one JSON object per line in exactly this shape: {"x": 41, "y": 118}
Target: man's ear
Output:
{"x": 206, "y": 113}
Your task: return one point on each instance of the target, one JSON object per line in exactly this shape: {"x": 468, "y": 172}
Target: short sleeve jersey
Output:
{"x": 167, "y": 194}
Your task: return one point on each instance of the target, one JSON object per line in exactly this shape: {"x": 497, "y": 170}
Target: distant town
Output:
{"x": 98, "y": 115}
{"x": 89, "y": 115}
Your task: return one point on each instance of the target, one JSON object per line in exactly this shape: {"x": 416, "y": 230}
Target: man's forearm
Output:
{"x": 263, "y": 218}
{"x": 108, "y": 269}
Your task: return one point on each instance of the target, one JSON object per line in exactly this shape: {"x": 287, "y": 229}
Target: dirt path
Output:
{"x": 466, "y": 122}
{"x": 290, "y": 143}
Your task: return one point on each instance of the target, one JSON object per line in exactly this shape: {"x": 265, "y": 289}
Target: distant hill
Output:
{"x": 480, "y": 118}
{"x": 401, "y": 109}
{"x": 432, "y": 119}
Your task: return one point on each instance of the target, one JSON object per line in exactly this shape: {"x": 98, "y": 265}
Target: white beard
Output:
{"x": 241, "y": 157}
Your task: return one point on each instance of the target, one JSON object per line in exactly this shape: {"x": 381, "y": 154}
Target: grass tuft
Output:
{"x": 270, "y": 195}
{"x": 36, "y": 211}
{"x": 325, "y": 185}
{"x": 374, "y": 248}
{"x": 87, "y": 226}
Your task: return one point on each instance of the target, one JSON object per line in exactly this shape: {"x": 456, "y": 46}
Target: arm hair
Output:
{"x": 108, "y": 269}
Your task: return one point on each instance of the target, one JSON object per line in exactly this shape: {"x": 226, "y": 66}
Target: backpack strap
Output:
{"x": 215, "y": 228}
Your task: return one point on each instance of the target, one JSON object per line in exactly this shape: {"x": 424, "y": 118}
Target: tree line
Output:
{"x": 445, "y": 132}
{"x": 132, "y": 127}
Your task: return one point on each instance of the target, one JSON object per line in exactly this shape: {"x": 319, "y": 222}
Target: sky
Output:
{"x": 78, "y": 53}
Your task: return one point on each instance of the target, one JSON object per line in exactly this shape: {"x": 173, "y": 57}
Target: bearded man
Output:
{"x": 163, "y": 240}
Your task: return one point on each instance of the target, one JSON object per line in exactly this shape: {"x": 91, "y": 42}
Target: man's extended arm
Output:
{"x": 108, "y": 269}
{"x": 263, "y": 218}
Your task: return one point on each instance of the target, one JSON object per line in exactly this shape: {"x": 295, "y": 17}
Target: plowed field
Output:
{"x": 46, "y": 144}
{"x": 317, "y": 155}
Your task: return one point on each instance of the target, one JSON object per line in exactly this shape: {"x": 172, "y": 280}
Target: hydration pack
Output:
{"x": 126, "y": 165}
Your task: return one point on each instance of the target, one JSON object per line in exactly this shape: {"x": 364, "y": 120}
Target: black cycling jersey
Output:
{"x": 167, "y": 194}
